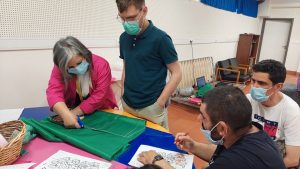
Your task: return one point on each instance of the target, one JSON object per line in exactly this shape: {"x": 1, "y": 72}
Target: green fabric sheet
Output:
{"x": 117, "y": 132}
{"x": 204, "y": 89}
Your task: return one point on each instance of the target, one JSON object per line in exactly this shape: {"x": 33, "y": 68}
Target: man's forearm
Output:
{"x": 123, "y": 79}
{"x": 168, "y": 90}
{"x": 204, "y": 151}
{"x": 163, "y": 164}
{"x": 292, "y": 156}
{"x": 170, "y": 86}
{"x": 290, "y": 163}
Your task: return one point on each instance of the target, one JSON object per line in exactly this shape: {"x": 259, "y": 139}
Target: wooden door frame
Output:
{"x": 291, "y": 20}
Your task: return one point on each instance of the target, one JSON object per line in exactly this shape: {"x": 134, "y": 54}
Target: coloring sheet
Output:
{"x": 65, "y": 160}
{"x": 177, "y": 160}
{"x": 18, "y": 166}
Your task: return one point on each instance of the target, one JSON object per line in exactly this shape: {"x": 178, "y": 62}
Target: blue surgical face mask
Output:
{"x": 259, "y": 94}
{"x": 207, "y": 134}
{"x": 131, "y": 27}
{"x": 80, "y": 69}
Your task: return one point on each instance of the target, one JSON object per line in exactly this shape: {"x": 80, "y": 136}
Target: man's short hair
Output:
{"x": 124, "y": 4}
{"x": 228, "y": 104}
{"x": 275, "y": 69}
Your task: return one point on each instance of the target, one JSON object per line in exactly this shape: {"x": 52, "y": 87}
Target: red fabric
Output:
{"x": 101, "y": 95}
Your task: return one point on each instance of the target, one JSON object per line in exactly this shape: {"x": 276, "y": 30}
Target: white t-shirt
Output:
{"x": 281, "y": 122}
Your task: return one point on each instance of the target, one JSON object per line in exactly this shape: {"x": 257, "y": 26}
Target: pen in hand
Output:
{"x": 180, "y": 141}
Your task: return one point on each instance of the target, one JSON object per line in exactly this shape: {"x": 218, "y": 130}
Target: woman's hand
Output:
{"x": 184, "y": 142}
{"x": 70, "y": 120}
{"x": 77, "y": 111}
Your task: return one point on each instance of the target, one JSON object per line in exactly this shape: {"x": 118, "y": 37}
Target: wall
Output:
{"x": 279, "y": 9}
{"x": 24, "y": 74}
{"x": 293, "y": 55}
{"x": 209, "y": 28}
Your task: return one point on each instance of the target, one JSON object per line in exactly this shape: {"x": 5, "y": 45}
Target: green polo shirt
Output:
{"x": 146, "y": 57}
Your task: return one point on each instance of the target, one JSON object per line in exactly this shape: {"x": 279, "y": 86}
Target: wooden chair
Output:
{"x": 242, "y": 67}
{"x": 227, "y": 73}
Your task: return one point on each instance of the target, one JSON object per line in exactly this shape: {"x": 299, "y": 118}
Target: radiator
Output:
{"x": 191, "y": 69}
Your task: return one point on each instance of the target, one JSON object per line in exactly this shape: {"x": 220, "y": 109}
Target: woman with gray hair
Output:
{"x": 79, "y": 83}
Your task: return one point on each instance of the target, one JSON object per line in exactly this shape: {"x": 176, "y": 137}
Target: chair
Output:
{"x": 235, "y": 65}
{"x": 228, "y": 73}
{"x": 292, "y": 92}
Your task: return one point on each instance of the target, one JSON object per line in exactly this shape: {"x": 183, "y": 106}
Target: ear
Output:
{"x": 145, "y": 10}
{"x": 277, "y": 87}
{"x": 222, "y": 128}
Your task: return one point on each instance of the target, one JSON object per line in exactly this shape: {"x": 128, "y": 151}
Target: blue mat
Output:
{"x": 37, "y": 113}
{"x": 153, "y": 138}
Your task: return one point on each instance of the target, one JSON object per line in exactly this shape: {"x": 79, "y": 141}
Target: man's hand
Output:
{"x": 147, "y": 157}
{"x": 160, "y": 103}
{"x": 184, "y": 142}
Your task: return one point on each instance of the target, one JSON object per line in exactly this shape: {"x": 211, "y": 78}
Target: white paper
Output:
{"x": 10, "y": 114}
{"x": 18, "y": 166}
{"x": 176, "y": 160}
{"x": 65, "y": 160}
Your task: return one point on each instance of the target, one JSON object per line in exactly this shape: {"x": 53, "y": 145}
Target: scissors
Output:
{"x": 82, "y": 125}
{"x": 58, "y": 120}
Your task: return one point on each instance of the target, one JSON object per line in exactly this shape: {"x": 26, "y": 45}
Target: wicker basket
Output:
{"x": 11, "y": 152}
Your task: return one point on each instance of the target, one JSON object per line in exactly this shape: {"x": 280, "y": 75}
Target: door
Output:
{"x": 275, "y": 39}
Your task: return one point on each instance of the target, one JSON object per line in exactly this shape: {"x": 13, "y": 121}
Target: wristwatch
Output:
{"x": 157, "y": 158}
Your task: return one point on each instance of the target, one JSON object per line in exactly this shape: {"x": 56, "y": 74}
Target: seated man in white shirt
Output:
{"x": 278, "y": 113}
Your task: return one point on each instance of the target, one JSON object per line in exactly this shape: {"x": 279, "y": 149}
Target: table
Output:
{"x": 40, "y": 149}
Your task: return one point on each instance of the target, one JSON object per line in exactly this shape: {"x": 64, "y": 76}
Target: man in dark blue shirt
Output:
{"x": 148, "y": 54}
{"x": 236, "y": 143}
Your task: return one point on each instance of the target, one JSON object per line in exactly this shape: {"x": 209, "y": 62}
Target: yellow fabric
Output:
{"x": 148, "y": 124}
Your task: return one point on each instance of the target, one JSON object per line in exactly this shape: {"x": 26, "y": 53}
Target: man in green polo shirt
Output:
{"x": 148, "y": 53}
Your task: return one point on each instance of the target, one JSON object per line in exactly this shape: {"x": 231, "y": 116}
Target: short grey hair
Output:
{"x": 64, "y": 50}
